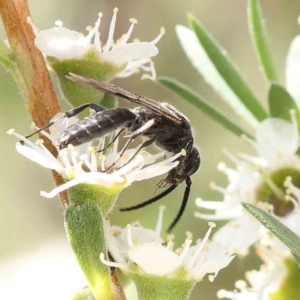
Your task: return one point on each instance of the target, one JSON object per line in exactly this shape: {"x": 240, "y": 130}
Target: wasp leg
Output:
{"x": 134, "y": 135}
{"x": 143, "y": 145}
{"x": 183, "y": 204}
{"x": 111, "y": 143}
{"x": 70, "y": 113}
{"x": 152, "y": 200}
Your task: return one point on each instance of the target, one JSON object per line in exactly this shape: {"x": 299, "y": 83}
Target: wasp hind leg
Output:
{"x": 68, "y": 114}
{"x": 183, "y": 204}
{"x": 133, "y": 136}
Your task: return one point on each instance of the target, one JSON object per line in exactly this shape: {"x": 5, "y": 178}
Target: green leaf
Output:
{"x": 260, "y": 40}
{"x": 153, "y": 287}
{"x": 6, "y": 57}
{"x": 200, "y": 60}
{"x": 109, "y": 101}
{"x": 297, "y": 259}
{"x": 281, "y": 103}
{"x": 228, "y": 71}
{"x": 84, "y": 225}
{"x": 201, "y": 104}
{"x": 288, "y": 237}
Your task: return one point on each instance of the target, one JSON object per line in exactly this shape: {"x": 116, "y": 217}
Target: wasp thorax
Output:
{"x": 273, "y": 190}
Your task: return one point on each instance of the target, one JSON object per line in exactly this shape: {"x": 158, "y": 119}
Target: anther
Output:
{"x": 133, "y": 20}
{"x": 10, "y": 131}
{"x": 212, "y": 224}
{"x": 58, "y": 23}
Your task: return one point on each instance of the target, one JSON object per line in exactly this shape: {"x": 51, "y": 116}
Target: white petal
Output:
{"x": 151, "y": 171}
{"x": 223, "y": 214}
{"x": 213, "y": 258}
{"x": 239, "y": 234}
{"x": 293, "y": 70}
{"x": 62, "y": 43}
{"x": 154, "y": 259}
{"x": 275, "y": 138}
{"x": 141, "y": 235}
{"x": 39, "y": 156}
{"x": 124, "y": 53}
{"x": 202, "y": 63}
{"x": 210, "y": 204}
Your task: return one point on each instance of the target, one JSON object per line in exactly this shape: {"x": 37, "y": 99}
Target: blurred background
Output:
{"x": 33, "y": 244}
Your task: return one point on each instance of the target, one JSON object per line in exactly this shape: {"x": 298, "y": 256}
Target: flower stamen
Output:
{"x": 111, "y": 31}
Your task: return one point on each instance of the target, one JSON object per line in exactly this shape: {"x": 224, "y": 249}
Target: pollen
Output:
{"x": 59, "y": 23}
{"x": 100, "y": 15}
{"x": 222, "y": 166}
{"x": 116, "y": 10}
{"x": 212, "y": 185}
{"x": 145, "y": 76}
{"x": 241, "y": 284}
{"x": 133, "y": 20}
{"x": 183, "y": 152}
{"x": 162, "y": 208}
{"x": 39, "y": 142}
{"x": 212, "y": 224}
{"x": 189, "y": 235}
{"x": 162, "y": 30}
{"x": 211, "y": 278}
{"x": 10, "y": 131}
{"x": 89, "y": 28}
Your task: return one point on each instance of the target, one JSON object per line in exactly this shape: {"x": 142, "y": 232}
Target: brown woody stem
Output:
{"x": 35, "y": 82}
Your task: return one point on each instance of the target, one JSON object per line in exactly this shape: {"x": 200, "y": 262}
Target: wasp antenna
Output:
{"x": 152, "y": 200}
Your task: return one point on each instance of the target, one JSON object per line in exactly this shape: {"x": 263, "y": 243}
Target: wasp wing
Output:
{"x": 112, "y": 89}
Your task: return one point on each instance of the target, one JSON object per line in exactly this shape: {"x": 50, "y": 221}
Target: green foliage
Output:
{"x": 7, "y": 57}
{"x": 89, "y": 66}
{"x": 84, "y": 294}
{"x": 104, "y": 196}
{"x": 196, "y": 100}
{"x": 84, "y": 226}
{"x": 260, "y": 40}
{"x": 109, "y": 101}
{"x": 281, "y": 103}
{"x": 289, "y": 288}
{"x": 288, "y": 237}
{"x": 228, "y": 71}
{"x": 151, "y": 287}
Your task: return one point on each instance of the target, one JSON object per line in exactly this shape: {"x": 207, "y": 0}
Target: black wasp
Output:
{"x": 161, "y": 123}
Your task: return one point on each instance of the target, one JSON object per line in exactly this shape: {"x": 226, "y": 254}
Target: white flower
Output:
{"x": 145, "y": 248}
{"x": 83, "y": 164}
{"x": 63, "y": 44}
{"x": 262, "y": 283}
{"x": 260, "y": 180}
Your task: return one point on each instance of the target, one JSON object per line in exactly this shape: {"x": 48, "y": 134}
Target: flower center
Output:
{"x": 273, "y": 191}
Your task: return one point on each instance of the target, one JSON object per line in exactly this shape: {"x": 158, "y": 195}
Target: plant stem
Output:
{"x": 34, "y": 82}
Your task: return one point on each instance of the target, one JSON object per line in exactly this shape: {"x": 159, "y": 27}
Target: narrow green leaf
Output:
{"x": 228, "y": 71}
{"x": 297, "y": 259}
{"x": 288, "y": 237}
{"x": 201, "y": 104}
{"x": 260, "y": 40}
{"x": 200, "y": 60}
{"x": 281, "y": 103}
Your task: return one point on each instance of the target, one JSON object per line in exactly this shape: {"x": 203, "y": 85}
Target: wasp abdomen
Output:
{"x": 95, "y": 126}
